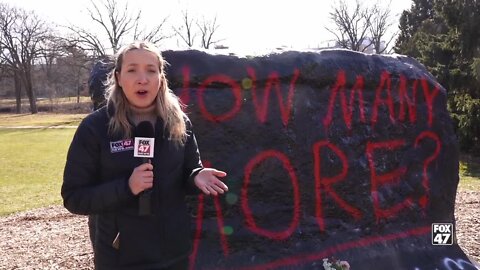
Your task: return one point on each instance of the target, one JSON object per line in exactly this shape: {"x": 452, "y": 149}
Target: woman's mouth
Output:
{"x": 142, "y": 92}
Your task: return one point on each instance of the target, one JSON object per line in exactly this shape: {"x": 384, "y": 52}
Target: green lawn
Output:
{"x": 469, "y": 171}
{"x": 31, "y": 162}
{"x": 40, "y": 119}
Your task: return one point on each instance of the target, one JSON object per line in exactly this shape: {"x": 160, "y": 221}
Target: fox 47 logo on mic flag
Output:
{"x": 442, "y": 234}
{"x": 143, "y": 147}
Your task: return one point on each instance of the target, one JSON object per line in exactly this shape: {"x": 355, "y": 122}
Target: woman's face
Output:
{"x": 140, "y": 77}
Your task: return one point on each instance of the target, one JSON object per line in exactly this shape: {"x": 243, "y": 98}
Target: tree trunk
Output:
{"x": 18, "y": 92}
{"x": 79, "y": 88}
{"x": 377, "y": 47}
{"x": 32, "y": 98}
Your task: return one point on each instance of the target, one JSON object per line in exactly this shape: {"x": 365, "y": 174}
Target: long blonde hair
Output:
{"x": 167, "y": 105}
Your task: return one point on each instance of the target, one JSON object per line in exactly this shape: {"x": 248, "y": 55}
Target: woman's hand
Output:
{"x": 141, "y": 178}
{"x": 206, "y": 180}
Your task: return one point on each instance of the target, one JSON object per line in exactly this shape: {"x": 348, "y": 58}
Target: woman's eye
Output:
{"x": 130, "y": 70}
{"x": 152, "y": 71}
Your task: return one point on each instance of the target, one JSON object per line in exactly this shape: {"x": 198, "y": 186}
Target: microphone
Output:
{"x": 144, "y": 149}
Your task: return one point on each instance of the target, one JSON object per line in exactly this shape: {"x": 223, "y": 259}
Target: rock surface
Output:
{"x": 330, "y": 153}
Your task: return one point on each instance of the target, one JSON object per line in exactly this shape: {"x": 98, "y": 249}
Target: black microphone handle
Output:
{"x": 145, "y": 198}
{"x": 146, "y": 160}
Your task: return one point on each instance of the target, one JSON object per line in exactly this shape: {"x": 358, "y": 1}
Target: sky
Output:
{"x": 244, "y": 24}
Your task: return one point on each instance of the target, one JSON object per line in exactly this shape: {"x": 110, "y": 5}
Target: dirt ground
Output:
{"x": 52, "y": 238}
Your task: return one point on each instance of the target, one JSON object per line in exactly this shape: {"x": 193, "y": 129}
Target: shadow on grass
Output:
{"x": 19, "y": 115}
{"x": 73, "y": 122}
{"x": 20, "y": 131}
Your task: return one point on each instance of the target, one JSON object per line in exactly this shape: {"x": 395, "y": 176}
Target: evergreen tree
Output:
{"x": 462, "y": 18}
{"x": 410, "y": 22}
{"x": 444, "y": 35}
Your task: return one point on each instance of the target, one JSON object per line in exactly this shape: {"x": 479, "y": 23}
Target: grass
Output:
{"x": 40, "y": 119}
{"x": 32, "y": 162}
{"x": 469, "y": 171}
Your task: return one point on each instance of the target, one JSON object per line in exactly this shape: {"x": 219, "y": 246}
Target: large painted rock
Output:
{"x": 329, "y": 154}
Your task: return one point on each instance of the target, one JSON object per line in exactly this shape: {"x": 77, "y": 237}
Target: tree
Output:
{"x": 117, "y": 24}
{"x": 410, "y": 23}
{"x": 74, "y": 67}
{"x": 361, "y": 28}
{"x": 156, "y": 35}
{"x": 380, "y": 23}
{"x": 185, "y": 31}
{"x": 22, "y": 34}
{"x": 64, "y": 68}
{"x": 351, "y": 25}
{"x": 462, "y": 19}
{"x": 445, "y": 38}
{"x": 208, "y": 29}
{"x": 86, "y": 41}
{"x": 7, "y": 19}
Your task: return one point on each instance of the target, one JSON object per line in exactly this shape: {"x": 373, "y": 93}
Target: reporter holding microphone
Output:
{"x": 138, "y": 201}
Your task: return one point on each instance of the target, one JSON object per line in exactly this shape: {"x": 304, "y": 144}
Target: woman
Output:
{"x": 103, "y": 178}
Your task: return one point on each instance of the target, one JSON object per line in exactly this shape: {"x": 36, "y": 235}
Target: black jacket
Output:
{"x": 96, "y": 182}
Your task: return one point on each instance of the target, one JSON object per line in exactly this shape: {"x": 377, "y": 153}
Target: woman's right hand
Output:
{"x": 141, "y": 178}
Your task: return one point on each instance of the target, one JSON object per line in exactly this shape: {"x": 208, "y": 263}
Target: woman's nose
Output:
{"x": 142, "y": 78}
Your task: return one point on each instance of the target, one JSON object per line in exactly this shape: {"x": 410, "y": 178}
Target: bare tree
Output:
{"x": 8, "y": 16}
{"x": 156, "y": 35}
{"x": 185, "y": 31}
{"x": 208, "y": 29}
{"x": 380, "y": 23}
{"x": 76, "y": 60}
{"x": 361, "y": 28}
{"x": 5, "y": 69}
{"x": 86, "y": 41}
{"x": 22, "y": 34}
{"x": 117, "y": 23}
{"x": 351, "y": 25}
{"x": 52, "y": 51}
{"x": 64, "y": 63}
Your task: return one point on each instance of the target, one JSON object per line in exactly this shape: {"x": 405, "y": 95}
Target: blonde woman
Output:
{"x": 102, "y": 177}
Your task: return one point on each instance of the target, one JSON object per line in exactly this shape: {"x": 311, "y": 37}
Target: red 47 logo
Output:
{"x": 143, "y": 147}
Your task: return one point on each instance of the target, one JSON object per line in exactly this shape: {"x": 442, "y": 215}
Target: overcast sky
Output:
{"x": 245, "y": 24}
